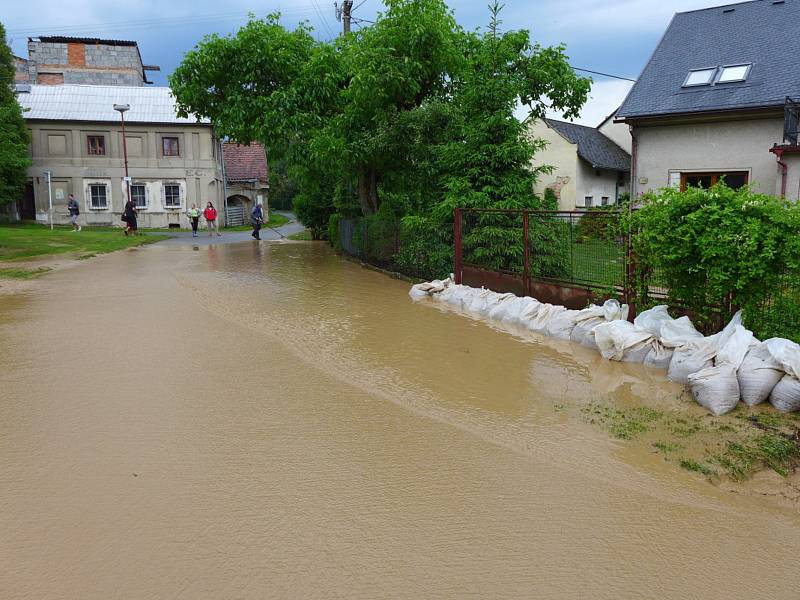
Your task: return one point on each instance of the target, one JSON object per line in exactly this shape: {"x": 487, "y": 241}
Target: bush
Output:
{"x": 333, "y": 231}
{"x": 721, "y": 249}
{"x": 425, "y": 249}
{"x": 595, "y": 226}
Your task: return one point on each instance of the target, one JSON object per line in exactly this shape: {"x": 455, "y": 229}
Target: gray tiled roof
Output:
{"x": 96, "y": 103}
{"x": 762, "y": 32}
{"x": 593, "y": 146}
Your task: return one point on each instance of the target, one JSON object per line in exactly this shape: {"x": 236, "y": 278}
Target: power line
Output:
{"x": 604, "y": 74}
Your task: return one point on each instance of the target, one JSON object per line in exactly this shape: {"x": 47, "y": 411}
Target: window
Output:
{"x": 604, "y": 201}
{"x": 97, "y": 196}
{"x": 96, "y": 144}
{"x": 139, "y": 195}
{"x": 734, "y": 73}
{"x": 734, "y": 179}
{"x": 587, "y": 201}
{"x": 172, "y": 195}
{"x": 170, "y": 146}
{"x": 700, "y": 77}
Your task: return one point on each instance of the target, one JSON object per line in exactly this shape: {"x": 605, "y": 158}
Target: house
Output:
{"x": 77, "y": 139}
{"x": 591, "y": 165}
{"x": 247, "y": 177}
{"x": 715, "y": 100}
{"x": 55, "y": 60}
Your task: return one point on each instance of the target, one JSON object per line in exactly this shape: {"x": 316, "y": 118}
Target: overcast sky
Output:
{"x": 611, "y": 36}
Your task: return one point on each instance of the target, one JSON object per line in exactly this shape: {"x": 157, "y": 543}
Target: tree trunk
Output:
{"x": 368, "y": 191}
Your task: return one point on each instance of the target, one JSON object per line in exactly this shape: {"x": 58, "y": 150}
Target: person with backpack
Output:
{"x": 74, "y": 211}
{"x": 210, "y": 215}
{"x": 257, "y": 219}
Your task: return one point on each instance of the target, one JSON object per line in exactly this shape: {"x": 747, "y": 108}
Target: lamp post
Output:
{"x": 122, "y": 109}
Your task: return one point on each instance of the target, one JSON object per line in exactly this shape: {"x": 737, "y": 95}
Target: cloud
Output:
{"x": 604, "y": 99}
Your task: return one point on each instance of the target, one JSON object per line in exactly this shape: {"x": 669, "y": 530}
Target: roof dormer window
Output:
{"x": 734, "y": 73}
{"x": 700, "y": 77}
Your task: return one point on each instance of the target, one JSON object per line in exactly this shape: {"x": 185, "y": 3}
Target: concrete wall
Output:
{"x": 61, "y": 147}
{"x": 619, "y": 133}
{"x": 82, "y": 63}
{"x": 597, "y": 184}
{"x": 735, "y": 145}
{"x": 563, "y": 157}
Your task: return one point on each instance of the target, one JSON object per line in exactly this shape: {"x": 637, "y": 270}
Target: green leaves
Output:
{"x": 14, "y": 136}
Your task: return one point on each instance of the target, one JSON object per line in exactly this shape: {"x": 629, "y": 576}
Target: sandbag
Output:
{"x": 591, "y": 317}
{"x": 787, "y": 354}
{"x": 677, "y": 332}
{"x": 697, "y": 353}
{"x": 733, "y": 350}
{"x": 497, "y": 311}
{"x": 652, "y": 319}
{"x": 481, "y": 302}
{"x": 543, "y": 316}
{"x": 622, "y": 341}
{"x": 716, "y": 388}
{"x": 428, "y": 288}
{"x": 785, "y": 396}
{"x": 516, "y": 310}
{"x": 561, "y": 325}
{"x": 758, "y": 374}
{"x": 659, "y": 356}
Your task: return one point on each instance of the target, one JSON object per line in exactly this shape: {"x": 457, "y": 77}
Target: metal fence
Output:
{"x": 564, "y": 257}
{"x": 373, "y": 240}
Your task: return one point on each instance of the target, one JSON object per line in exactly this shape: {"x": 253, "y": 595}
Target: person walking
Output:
{"x": 210, "y": 214}
{"x": 74, "y": 211}
{"x": 129, "y": 216}
{"x": 257, "y": 219}
{"x": 194, "y": 218}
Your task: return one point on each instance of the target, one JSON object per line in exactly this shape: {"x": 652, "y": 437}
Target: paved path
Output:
{"x": 230, "y": 237}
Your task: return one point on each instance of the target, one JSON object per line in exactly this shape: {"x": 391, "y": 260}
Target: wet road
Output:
{"x": 270, "y": 421}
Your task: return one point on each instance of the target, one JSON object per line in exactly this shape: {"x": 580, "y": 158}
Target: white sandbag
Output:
{"x": 517, "y": 308}
{"x": 622, "y": 341}
{"x": 562, "y": 324}
{"x": 734, "y": 349}
{"x": 785, "y": 396}
{"x": 677, "y": 332}
{"x": 690, "y": 358}
{"x": 758, "y": 374}
{"x": 716, "y": 388}
{"x": 416, "y": 293}
{"x": 543, "y": 316}
{"x": 652, "y": 319}
{"x": 497, "y": 311}
{"x": 787, "y": 354}
{"x": 697, "y": 354}
{"x": 591, "y": 317}
{"x": 659, "y": 356}
{"x": 481, "y": 302}
{"x": 428, "y": 288}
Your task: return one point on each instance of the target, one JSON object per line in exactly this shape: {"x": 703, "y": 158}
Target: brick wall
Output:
{"x": 81, "y": 63}
{"x": 50, "y": 78}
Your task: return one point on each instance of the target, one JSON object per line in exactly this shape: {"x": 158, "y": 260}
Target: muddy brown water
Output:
{"x": 271, "y": 421}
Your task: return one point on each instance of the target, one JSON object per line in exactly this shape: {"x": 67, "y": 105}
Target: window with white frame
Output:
{"x": 700, "y": 77}
{"x": 98, "y": 196}
{"x": 734, "y": 73}
{"x": 139, "y": 195}
{"x": 172, "y": 195}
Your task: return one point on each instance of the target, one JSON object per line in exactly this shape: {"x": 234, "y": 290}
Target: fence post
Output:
{"x": 457, "y": 250}
{"x": 630, "y": 278}
{"x": 526, "y": 263}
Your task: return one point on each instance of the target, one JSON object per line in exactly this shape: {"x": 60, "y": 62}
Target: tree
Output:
{"x": 14, "y": 135}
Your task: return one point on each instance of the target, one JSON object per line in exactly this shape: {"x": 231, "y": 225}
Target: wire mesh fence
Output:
{"x": 375, "y": 241}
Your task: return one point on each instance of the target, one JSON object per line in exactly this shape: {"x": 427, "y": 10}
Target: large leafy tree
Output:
{"x": 14, "y": 136}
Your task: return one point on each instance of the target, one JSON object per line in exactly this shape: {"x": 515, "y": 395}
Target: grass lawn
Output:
{"x": 19, "y": 242}
{"x": 23, "y": 273}
{"x": 275, "y": 220}
{"x": 598, "y": 261}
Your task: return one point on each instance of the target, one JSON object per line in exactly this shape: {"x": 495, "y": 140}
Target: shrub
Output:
{"x": 426, "y": 249}
{"x": 720, "y": 249}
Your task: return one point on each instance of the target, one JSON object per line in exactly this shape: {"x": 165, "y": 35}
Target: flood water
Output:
{"x": 271, "y": 421}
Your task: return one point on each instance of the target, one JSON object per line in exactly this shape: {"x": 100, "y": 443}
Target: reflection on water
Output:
{"x": 298, "y": 427}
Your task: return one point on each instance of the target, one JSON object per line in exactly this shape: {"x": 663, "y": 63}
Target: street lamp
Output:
{"x": 122, "y": 109}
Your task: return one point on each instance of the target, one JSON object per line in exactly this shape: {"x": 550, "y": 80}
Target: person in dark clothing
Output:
{"x": 257, "y": 219}
{"x": 74, "y": 210}
{"x": 129, "y": 216}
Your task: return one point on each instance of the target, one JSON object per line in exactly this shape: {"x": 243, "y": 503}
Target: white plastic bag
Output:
{"x": 659, "y": 356}
{"x": 697, "y": 353}
{"x": 677, "y": 332}
{"x": 623, "y": 341}
{"x": 500, "y": 307}
{"x": 428, "y": 288}
{"x": 543, "y": 316}
{"x": 481, "y": 302}
{"x": 787, "y": 354}
{"x": 785, "y": 396}
{"x": 716, "y": 388}
{"x": 758, "y": 374}
{"x": 652, "y": 319}
{"x": 591, "y": 317}
{"x": 518, "y": 308}
{"x": 734, "y": 349}
{"x": 561, "y": 325}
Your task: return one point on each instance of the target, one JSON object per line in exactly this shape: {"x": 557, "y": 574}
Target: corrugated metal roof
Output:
{"x": 761, "y": 32}
{"x": 593, "y": 146}
{"x": 96, "y": 103}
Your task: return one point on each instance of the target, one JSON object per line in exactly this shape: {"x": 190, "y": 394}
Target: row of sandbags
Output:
{"x": 721, "y": 369}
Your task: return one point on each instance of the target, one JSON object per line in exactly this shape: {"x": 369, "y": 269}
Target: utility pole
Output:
{"x": 344, "y": 14}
